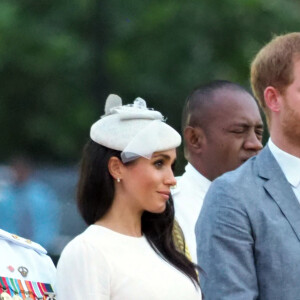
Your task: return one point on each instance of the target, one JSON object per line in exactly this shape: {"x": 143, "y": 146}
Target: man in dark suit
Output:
{"x": 248, "y": 232}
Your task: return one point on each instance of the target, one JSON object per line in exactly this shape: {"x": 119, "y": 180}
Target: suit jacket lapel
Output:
{"x": 279, "y": 188}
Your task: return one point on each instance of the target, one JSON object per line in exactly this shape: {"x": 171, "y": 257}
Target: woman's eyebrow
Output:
{"x": 166, "y": 156}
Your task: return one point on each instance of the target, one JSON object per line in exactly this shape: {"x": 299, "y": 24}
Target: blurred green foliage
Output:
{"x": 60, "y": 59}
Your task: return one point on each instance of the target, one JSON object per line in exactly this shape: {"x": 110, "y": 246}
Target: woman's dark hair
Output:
{"x": 95, "y": 190}
{"x": 95, "y": 196}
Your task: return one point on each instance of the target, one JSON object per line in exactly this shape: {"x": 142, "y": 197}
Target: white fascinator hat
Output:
{"x": 133, "y": 129}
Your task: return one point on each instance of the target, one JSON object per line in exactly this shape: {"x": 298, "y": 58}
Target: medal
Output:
{"x": 19, "y": 290}
{"x": 49, "y": 296}
{"x": 27, "y": 296}
{"x": 5, "y": 296}
{"x": 23, "y": 271}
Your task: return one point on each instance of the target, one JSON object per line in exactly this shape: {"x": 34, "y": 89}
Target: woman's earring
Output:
{"x": 118, "y": 180}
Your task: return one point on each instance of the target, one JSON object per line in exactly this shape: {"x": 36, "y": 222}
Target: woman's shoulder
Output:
{"x": 85, "y": 250}
{"x": 99, "y": 240}
{"x": 84, "y": 262}
{"x": 92, "y": 237}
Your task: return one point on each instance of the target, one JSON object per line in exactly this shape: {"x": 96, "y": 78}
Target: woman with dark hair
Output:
{"x": 127, "y": 252}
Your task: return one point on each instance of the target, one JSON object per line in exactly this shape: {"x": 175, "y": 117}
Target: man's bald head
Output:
{"x": 202, "y": 99}
{"x": 222, "y": 127}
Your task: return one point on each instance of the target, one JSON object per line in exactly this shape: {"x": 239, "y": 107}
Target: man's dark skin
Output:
{"x": 230, "y": 132}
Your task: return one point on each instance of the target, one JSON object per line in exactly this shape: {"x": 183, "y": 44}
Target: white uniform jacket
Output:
{"x": 188, "y": 199}
{"x": 25, "y": 269}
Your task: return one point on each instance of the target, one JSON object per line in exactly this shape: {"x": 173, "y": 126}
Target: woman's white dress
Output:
{"x": 103, "y": 264}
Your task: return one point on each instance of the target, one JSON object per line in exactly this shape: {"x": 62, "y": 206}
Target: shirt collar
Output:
{"x": 197, "y": 177}
{"x": 289, "y": 164}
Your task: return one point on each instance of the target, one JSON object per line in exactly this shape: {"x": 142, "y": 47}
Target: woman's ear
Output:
{"x": 194, "y": 138}
{"x": 115, "y": 167}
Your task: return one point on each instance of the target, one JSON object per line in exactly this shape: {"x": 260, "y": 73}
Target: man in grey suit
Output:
{"x": 248, "y": 232}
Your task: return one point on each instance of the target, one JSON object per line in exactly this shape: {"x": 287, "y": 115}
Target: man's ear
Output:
{"x": 194, "y": 138}
{"x": 272, "y": 98}
{"x": 115, "y": 167}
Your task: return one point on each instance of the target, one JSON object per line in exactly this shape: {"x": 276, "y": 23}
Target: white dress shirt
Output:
{"x": 188, "y": 199}
{"x": 290, "y": 166}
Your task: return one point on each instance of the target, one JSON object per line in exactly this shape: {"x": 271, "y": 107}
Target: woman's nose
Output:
{"x": 170, "y": 179}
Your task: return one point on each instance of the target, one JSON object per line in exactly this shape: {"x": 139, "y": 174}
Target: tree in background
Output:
{"x": 162, "y": 49}
{"x": 47, "y": 52}
{"x": 59, "y": 60}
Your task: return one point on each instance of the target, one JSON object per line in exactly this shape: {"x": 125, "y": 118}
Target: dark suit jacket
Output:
{"x": 248, "y": 234}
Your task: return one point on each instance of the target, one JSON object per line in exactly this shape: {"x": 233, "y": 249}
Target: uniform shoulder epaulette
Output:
{"x": 22, "y": 242}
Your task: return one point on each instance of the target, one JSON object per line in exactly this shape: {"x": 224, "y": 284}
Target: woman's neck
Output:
{"x": 123, "y": 219}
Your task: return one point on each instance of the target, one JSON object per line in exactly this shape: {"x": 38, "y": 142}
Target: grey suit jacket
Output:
{"x": 248, "y": 234}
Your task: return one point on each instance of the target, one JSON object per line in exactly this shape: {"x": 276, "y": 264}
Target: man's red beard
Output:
{"x": 291, "y": 125}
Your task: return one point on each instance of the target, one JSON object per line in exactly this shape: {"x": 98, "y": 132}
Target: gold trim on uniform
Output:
{"x": 178, "y": 238}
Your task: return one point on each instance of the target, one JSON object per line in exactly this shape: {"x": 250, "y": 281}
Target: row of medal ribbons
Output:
{"x": 18, "y": 289}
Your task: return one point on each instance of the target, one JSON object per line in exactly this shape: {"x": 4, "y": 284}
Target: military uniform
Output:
{"x": 26, "y": 272}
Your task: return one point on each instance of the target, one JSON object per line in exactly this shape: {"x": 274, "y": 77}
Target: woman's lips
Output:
{"x": 166, "y": 195}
